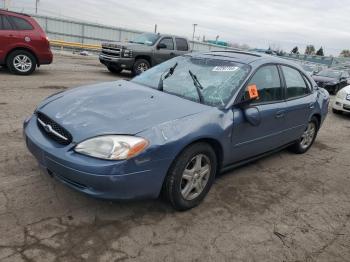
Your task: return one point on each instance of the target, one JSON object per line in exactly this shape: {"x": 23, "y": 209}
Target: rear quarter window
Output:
{"x": 20, "y": 23}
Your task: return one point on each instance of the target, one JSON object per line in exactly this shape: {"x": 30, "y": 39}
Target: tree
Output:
{"x": 295, "y": 50}
{"x": 310, "y": 50}
{"x": 320, "y": 52}
{"x": 345, "y": 53}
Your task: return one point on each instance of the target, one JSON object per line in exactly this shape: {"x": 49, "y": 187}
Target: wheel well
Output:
{"x": 24, "y": 49}
{"x": 214, "y": 144}
{"x": 147, "y": 58}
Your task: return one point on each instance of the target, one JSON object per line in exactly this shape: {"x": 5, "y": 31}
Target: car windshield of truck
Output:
{"x": 219, "y": 79}
{"x": 329, "y": 73}
{"x": 146, "y": 39}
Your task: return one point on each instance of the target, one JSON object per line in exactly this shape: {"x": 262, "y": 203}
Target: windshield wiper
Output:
{"x": 165, "y": 75}
{"x": 198, "y": 86}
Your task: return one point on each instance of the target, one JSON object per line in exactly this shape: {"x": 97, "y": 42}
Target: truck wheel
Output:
{"x": 114, "y": 70}
{"x": 140, "y": 66}
{"x": 190, "y": 176}
{"x": 21, "y": 62}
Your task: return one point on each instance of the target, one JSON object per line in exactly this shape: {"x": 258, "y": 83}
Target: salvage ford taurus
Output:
{"x": 174, "y": 127}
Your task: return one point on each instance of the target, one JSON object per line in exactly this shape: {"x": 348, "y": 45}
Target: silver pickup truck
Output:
{"x": 145, "y": 51}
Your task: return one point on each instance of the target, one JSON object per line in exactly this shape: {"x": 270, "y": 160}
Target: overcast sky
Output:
{"x": 283, "y": 23}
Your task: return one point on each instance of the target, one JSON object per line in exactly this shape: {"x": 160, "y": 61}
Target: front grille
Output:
{"x": 116, "y": 52}
{"x": 53, "y": 130}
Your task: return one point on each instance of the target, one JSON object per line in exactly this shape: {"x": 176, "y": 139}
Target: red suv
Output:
{"x": 23, "y": 43}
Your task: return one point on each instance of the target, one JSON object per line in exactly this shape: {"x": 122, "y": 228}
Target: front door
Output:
{"x": 164, "y": 50}
{"x": 249, "y": 140}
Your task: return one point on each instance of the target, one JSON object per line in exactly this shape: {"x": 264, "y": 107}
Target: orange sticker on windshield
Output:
{"x": 253, "y": 92}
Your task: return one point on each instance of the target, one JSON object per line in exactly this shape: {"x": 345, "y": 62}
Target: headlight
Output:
{"x": 112, "y": 147}
{"x": 348, "y": 97}
{"x": 127, "y": 53}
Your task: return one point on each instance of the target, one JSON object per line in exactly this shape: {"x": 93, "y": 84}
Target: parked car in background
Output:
{"x": 311, "y": 69}
{"x": 332, "y": 80}
{"x": 175, "y": 126}
{"x": 140, "y": 54}
{"x": 23, "y": 43}
{"x": 342, "y": 101}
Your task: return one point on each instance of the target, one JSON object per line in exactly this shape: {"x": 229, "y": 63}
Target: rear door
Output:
{"x": 166, "y": 52}
{"x": 181, "y": 46}
{"x": 249, "y": 140}
{"x": 300, "y": 99}
{"x": 8, "y": 37}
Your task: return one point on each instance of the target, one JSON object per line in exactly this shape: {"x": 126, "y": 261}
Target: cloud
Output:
{"x": 284, "y": 23}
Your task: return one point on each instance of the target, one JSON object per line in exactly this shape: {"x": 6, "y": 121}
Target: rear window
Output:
{"x": 4, "y": 23}
{"x": 181, "y": 44}
{"x": 20, "y": 23}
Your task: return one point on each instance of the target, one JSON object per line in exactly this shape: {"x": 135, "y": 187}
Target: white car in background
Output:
{"x": 342, "y": 101}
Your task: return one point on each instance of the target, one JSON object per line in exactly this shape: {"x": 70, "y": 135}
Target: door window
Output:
{"x": 20, "y": 23}
{"x": 168, "y": 42}
{"x": 4, "y": 23}
{"x": 181, "y": 44}
{"x": 268, "y": 84}
{"x": 295, "y": 83}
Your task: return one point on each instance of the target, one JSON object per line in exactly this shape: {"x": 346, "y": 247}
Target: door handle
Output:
{"x": 312, "y": 105}
{"x": 280, "y": 114}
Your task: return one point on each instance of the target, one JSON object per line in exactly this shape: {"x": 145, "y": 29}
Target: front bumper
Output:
{"x": 341, "y": 105}
{"x": 125, "y": 63}
{"x": 121, "y": 180}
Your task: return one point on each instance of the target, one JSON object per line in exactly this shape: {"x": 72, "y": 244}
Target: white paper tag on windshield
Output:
{"x": 225, "y": 68}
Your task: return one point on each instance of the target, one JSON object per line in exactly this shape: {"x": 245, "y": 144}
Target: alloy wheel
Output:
{"x": 22, "y": 63}
{"x": 308, "y": 135}
{"x": 195, "y": 177}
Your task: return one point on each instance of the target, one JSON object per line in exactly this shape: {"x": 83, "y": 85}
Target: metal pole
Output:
{"x": 155, "y": 28}
{"x": 194, "y": 30}
{"x": 36, "y": 6}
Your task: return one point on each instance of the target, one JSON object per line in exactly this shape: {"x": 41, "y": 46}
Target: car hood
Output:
{"x": 324, "y": 79}
{"x": 120, "y": 107}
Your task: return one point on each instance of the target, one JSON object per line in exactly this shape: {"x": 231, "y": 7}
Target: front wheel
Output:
{"x": 21, "y": 62}
{"x": 140, "y": 66}
{"x": 307, "y": 138}
{"x": 191, "y": 176}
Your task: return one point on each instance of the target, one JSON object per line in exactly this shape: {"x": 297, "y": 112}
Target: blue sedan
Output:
{"x": 173, "y": 128}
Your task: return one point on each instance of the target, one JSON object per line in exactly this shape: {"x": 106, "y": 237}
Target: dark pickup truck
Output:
{"x": 145, "y": 51}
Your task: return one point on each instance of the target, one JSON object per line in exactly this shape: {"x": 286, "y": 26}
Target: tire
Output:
{"x": 114, "y": 69}
{"x": 305, "y": 142}
{"x": 21, "y": 62}
{"x": 335, "y": 111}
{"x": 186, "y": 189}
{"x": 140, "y": 66}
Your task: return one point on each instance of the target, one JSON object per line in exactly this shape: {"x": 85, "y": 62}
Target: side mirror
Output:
{"x": 252, "y": 115}
{"x": 161, "y": 46}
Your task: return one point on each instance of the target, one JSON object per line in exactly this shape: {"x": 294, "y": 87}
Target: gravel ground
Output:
{"x": 284, "y": 207}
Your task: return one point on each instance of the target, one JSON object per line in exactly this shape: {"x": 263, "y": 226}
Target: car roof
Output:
{"x": 244, "y": 57}
{"x": 4, "y": 11}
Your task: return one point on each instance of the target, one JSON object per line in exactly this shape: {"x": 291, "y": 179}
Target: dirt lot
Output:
{"x": 284, "y": 207}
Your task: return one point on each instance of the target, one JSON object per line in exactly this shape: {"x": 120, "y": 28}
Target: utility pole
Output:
{"x": 155, "y": 28}
{"x": 36, "y": 6}
{"x": 194, "y": 30}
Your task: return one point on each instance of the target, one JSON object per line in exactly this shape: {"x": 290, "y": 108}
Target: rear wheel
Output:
{"x": 140, "y": 66}
{"x": 21, "y": 62}
{"x": 307, "y": 138}
{"x": 114, "y": 69}
{"x": 191, "y": 176}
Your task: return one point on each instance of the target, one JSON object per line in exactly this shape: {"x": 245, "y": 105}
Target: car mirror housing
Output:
{"x": 252, "y": 115}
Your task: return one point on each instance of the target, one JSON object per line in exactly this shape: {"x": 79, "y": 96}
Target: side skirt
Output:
{"x": 252, "y": 159}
